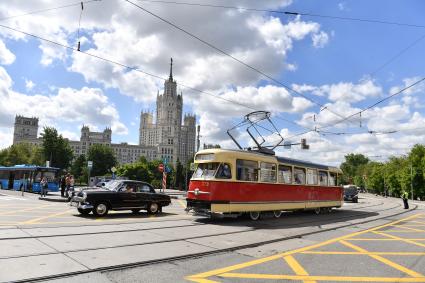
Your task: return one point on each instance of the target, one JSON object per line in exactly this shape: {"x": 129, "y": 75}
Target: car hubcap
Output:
{"x": 254, "y": 215}
{"x": 154, "y": 207}
{"x": 101, "y": 209}
{"x": 317, "y": 210}
{"x": 277, "y": 213}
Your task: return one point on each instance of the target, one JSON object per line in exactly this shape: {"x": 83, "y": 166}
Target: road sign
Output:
{"x": 167, "y": 169}
{"x": 90, "y": 164}
{"x": 161, "y": 167}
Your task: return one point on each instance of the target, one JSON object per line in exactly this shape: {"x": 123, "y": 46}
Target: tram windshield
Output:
{"x": 206, "y": 170}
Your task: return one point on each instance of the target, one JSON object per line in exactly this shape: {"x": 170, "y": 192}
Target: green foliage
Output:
{"x": 103, "y": 159}
{"x": 393, "y": 177}
{"x": 22, "y": 153}
{"x": 352, "y": 167}
{"x": 56, "y": 148}
{"x": 79, "y": 167}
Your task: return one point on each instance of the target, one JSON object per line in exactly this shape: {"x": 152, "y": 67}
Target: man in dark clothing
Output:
{"x": 63, "y": 185}
{"x": 405, "y": 197}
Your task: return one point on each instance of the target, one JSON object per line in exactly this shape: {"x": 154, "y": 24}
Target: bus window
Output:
{"x": 50, "y": 176}
{"x": 267, "y": 172}
{"x": 246, "y": 170}
{"x": 332, "y": 179}
{"x": 299, "y": 176}
{"x": 224, "y": 172}
{"x": 311, "y": 176}
{"x": 285, "y": 174}
{"x": 205, "y": 170}
{"x": 323, "y": 178}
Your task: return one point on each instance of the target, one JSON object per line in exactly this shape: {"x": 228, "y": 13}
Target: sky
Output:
{"x": 310, "y": 71}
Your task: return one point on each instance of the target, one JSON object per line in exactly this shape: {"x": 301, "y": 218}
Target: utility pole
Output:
{"x": 411, "y": 178}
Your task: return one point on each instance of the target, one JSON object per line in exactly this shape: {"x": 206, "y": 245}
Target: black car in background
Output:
{"x": 351, "y": 193}
{"x": 120, "y": 195}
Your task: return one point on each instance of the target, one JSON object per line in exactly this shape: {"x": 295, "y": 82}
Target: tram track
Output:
{"x": 25, "y": 230}
{"x": 216, "y": 251}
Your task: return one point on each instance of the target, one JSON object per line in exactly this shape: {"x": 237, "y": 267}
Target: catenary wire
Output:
{"x": 48, "y": 9}
{"x": 134, "y": 69}
{"x": 290, "y": 13}
{"x": 232, "y": 57}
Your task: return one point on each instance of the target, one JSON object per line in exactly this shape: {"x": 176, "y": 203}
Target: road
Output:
{"x": 373, "y": 240}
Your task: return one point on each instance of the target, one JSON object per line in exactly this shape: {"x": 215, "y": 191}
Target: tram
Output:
{"x": 233, "y": 182}
{"x": 28, "y": 178}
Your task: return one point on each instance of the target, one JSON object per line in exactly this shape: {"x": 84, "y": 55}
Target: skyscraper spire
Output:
{"x": 171, "y": 70}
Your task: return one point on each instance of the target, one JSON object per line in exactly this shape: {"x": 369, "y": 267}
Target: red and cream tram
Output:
{"x": 233, "y": 182}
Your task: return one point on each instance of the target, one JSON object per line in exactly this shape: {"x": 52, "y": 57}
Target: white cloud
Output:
{"x": 29, "y": 84}
{"x": 6, "y": 56}
{"x": 320, "y": 39}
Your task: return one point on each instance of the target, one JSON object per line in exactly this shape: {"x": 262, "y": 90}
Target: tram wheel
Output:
{"x": 254, "y": 215}
{"x": 317, "y": 210}
{"x": 277, "y": 213}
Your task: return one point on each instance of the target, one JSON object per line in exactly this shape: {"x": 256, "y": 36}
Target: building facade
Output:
{"x": 163, "y": 138}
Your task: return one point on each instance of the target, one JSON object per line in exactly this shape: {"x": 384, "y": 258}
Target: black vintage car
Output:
{"x": 119, "y": 195}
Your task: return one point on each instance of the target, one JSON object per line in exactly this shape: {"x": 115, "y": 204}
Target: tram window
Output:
{"x": 267, "y": 172}
{"x": 299, "y": 176}
{"x": 312, "y": 176}
{"x": 246, "y": 170}
{"x": 323, "y": 178}
{"x": 332, "y": 179}
{"x": 205, "y": 170}
{"x": 224, "y": 172}
{"x": 285, "y": 174}
{"x": 4, "y": 174}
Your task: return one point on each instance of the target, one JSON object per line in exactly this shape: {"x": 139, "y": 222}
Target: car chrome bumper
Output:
{"x": 80, "y": 205}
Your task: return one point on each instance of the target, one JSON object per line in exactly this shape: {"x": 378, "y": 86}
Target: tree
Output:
{"x": 79, "y": 166}
{"x": 22, "y": 153}
{"x": 136, "y": 171}
{"x": 56, "y": 148}
{"x": 103, "y": 159}
{"x": 179, "y": 175}
{"x": 352, "y": 165}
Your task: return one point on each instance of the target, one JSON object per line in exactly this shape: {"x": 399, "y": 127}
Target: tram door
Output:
{"x": 11, "y": 179}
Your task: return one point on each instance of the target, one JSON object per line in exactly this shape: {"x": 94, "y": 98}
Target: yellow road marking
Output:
{"x": 23, "y": 210}
{"x": 35, "y": 220}
{"x": 401, "y": 231}
{"x": 413, "y": 229}
{"x": 374, "y": 239}
{"x": 320, "y": 278}
{"x": 181, "y": 203}
{"x": 364, "y": 253}
{"x": 410, "y": 241}
{"x": 296, "y": 267}
{"x": 416, "y": 221}
{"x": 383, "y": 260}
{"x": 202, "y": 276}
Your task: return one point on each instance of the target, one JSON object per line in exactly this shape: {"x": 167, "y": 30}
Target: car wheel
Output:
{"x": 153, "y": 208}
{"x": 84, "y": 211}
{"x": 317, "y": 210}
{"x": 277, "y": 213}
{"x": 135, "y": 211}
{"x": 254, "y": 215}
{"x": 100, "y": 209}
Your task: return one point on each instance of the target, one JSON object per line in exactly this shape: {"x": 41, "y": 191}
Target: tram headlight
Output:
{"x": 196, "y": 191}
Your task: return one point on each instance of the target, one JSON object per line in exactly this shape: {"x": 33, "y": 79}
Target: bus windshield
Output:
{"x": 206, "y": 170}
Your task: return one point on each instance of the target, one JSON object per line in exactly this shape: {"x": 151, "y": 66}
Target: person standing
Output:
{"x": 405, "y": 197}
{"x": 67, "y": 184}
{"x": 43, "y": 187}
{"x": 63, "y": 185}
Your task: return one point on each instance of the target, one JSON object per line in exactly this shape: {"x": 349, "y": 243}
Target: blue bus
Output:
{"x": 28, "y": 177}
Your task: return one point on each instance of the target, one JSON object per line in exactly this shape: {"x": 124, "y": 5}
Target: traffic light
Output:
{"x": 304, "y": 144}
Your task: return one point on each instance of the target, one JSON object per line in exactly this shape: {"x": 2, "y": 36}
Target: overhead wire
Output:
{"x": 127, "y": 67}
{"x": 290, "y": 13}
{"x": 48, "y": 9}
{"x": 219, "y": 50}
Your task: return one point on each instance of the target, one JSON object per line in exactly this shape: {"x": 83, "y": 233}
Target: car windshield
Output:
{"x": 350, "y": 190}
{"x": 112, "y": 185}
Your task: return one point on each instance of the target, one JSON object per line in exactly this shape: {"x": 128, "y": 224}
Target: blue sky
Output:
{"x": 337, "y": 63}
